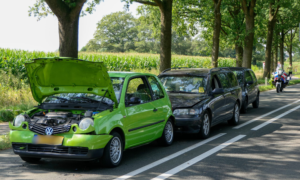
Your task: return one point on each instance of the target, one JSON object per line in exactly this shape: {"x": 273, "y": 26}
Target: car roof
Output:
{"x": 126, "y": 73}
{"x": 186, "y": 71}
{"x": 238, "y": 68}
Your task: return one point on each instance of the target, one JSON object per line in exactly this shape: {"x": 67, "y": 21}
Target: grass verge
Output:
{"x": 270, "y": 87}
{"x": 4, "y": 142}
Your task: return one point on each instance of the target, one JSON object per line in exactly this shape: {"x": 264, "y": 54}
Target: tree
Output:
{"x": 290, "y": 43}
{"x": 116, "y": 32}
{"x": 67, "y": 13}
{"x": 273, "y": 10}
{"x": 248, "y": 9}
{"x": 165, "y": 7}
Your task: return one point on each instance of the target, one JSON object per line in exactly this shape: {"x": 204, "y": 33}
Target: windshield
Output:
{"x": 87, "y": 97}
{"x": 184, "y": 84}
{"x": 239, "y": 76}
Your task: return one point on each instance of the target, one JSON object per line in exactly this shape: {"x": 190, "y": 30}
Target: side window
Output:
{"x": 215, "y": 82}
{"x": 156, "y": 88}
{"x": 224, "y": 81}
{"x": 232, "y": 79}
{"x": 253, "y": 76}
{"x": 138, "y": 88}
{"x": 248, "y": 76}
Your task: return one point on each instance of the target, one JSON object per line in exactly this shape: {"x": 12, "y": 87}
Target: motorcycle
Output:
{"x": 281, "y": 80}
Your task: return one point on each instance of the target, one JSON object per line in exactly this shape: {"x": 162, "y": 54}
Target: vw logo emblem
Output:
{"x": 48, "y": 131}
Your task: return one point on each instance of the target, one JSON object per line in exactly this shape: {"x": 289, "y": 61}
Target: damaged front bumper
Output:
{"x": 74, "y": 146}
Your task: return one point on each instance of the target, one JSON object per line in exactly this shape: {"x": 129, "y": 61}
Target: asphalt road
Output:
{"x": 266, "y": 145}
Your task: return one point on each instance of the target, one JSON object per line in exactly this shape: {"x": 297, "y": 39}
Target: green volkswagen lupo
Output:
{"x": 87, "y": 113}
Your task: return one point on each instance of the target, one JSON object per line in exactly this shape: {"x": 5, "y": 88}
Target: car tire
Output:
{"x": 244, "y": 106}
{"x": 205, "y": 126}
{"x": 30, "y": 159}
{"x": 236, "y": 115}
{"x": 255, "y": 104}
{"x": 113, "y": 151}
{"x": 167, "y": 137}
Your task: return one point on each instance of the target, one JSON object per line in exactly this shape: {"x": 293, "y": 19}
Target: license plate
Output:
{"x": 50, "y": 140}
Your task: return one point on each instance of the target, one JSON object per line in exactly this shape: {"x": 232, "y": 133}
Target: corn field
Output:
{"x": 14, "y": 60}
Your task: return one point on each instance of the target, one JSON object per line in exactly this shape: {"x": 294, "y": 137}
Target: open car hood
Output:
{"x": 48, "y": 76}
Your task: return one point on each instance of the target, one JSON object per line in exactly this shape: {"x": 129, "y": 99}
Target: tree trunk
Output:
{"x": 267, "y": 69}
{"x": 247, "y": 56}
{"x": 272, "y": 63}
{"x": 68, "y": 37}
{"x": 291, "y": 49}
{"x": 166, "y": 34}
{"x": 216, "y": 35}
{"x": 281, "y": 49}
{"x": 276, "y": 54}
{"x": 239, "y": 55}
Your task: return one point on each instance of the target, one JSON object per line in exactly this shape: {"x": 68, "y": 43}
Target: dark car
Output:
{"x": 202, "y": 98}
{"x": 249, "y": 85}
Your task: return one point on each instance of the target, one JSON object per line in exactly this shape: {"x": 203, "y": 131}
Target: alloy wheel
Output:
{"x": 236, "y": 113}
{"x": 115, "y": 150}
{"x": 206, "y": 124}
{"x": 169, "y": 132}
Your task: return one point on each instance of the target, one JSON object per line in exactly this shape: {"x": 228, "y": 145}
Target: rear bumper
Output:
{"x": 48, "y": 151}
{"x": 188, "y": 125}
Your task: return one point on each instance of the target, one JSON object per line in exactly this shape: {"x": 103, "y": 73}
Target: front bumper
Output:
{"x": 74, "y": 146}
{"x": 188, "y": 124}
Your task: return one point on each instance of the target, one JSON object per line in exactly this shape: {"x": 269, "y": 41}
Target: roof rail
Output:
{"x": 169, "y": 69}
{"x": 219, "y": 68}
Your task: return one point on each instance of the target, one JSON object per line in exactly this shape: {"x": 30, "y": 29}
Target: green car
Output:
{"x": 86, "y": 113}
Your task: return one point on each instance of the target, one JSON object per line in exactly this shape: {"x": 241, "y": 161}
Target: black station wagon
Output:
{"x": 249, "y": 85}
{"x": 202, "y": 98}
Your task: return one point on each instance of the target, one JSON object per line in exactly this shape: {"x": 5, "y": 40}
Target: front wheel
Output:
{"x": 113, "y": 151}
{"x": 278, "y": 88}
{"x": 236, "y": 115}
{"x": 205, "y": 126}
{"x": 168, "y": 134}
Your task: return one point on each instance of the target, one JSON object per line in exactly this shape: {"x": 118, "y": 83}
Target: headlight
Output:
{"x": 179, "y": 112}
{"x": 18, "y": 120}
{"x": 85, "y": 123}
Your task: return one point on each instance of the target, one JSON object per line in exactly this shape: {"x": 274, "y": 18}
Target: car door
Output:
{"x": 160, "y": 109}
{"x": 227, "y": 95}
{"x": 138, "y": 117}
{"x": 218, "y": 102}
{"x": 249, "y": 88}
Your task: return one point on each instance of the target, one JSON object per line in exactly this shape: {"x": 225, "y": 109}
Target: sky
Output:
{"x": 19, "y": 31}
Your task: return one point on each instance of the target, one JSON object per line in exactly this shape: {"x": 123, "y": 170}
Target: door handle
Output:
{"x": 154, "y": 110}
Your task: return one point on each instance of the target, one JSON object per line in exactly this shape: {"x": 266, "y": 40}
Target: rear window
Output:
{"x": 232, "y": 79}
{"x": 239, "y": 76}
{"x": 253, "y": 76}
{"x": 224, "y": 81}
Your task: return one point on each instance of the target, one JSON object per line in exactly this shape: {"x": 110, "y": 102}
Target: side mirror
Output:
{"x": 218, "y": 91}
{"x": 134, "y": 100}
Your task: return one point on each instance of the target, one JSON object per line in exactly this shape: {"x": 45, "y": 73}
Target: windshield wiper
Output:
{"x": 178, "y": 92}
{"x": 59, "y": 98}
{"x": 86, "y": 98}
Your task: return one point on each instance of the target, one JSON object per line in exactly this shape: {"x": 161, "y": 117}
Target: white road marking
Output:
{"x": 274, "y": 119}
{"x": 165, "y": 159}
{"x": 258, "y": 118}
{"x": 197, "y": 159}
